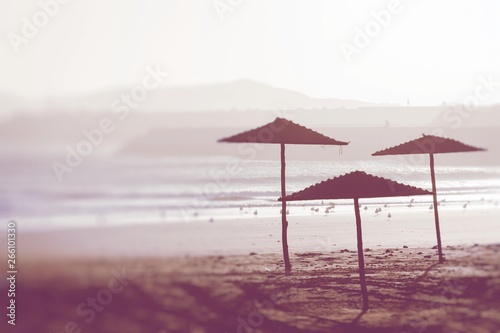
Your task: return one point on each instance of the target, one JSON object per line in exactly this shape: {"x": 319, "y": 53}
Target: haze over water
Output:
{"x": 137, "y": 191}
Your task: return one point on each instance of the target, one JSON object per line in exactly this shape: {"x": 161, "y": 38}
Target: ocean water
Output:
{"x": 122, "y": 191}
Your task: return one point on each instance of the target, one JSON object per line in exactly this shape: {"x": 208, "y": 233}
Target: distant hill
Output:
{"x": 155, "y": 134}
{"x": 236, "y": 95}
{"x": 242, "y": 95}
{"x": 363, "y": 142}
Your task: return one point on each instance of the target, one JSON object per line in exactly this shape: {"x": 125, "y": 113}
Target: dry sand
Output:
{"x": 408, "y": 292}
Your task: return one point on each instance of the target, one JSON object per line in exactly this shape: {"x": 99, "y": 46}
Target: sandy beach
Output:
{"x": 228, "y": 276}
{"x": 408, "y": 292}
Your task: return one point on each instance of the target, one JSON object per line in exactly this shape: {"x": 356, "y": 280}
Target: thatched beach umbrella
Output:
{"x": 357, "y": 185}
{"x": 430, "y": 144}
{"x": 282, "y": 131}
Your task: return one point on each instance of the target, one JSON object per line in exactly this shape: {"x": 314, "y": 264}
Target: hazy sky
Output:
{"x": 430, "y": 51}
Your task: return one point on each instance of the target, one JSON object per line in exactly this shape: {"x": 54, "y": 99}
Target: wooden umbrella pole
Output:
{"x": 361, "y": 260}
{"x": 436, "y": 213}
{"x": 284, "y": 223}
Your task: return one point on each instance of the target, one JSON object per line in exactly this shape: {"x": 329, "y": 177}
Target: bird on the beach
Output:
{"x": 431, "y": 206}
{"x": 316, "y": 210}
{"x": 389, "y": 215}
{"x": 312, "y": 209}
{"x": 385, "y": 206}
{"x": 211, "y": 220}
{"x": 366, "y": 208}
{"x": 465, "y": 206}
{"x": 256, "y": 212}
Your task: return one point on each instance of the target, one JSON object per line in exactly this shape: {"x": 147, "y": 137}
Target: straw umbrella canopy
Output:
{"x": 430, "y": 144}
{"x": 357, "y": 185}
{"x": 282, "y": 131}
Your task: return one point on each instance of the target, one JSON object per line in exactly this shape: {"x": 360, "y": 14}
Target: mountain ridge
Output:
{"x": 232, "y": 95}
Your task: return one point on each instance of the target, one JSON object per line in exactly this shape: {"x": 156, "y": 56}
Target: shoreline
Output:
{"x": 262, "y": 235}
{"x": 266, "y": 208}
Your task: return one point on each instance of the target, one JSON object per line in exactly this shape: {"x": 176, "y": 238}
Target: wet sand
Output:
{"x": 262, "y": 234}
